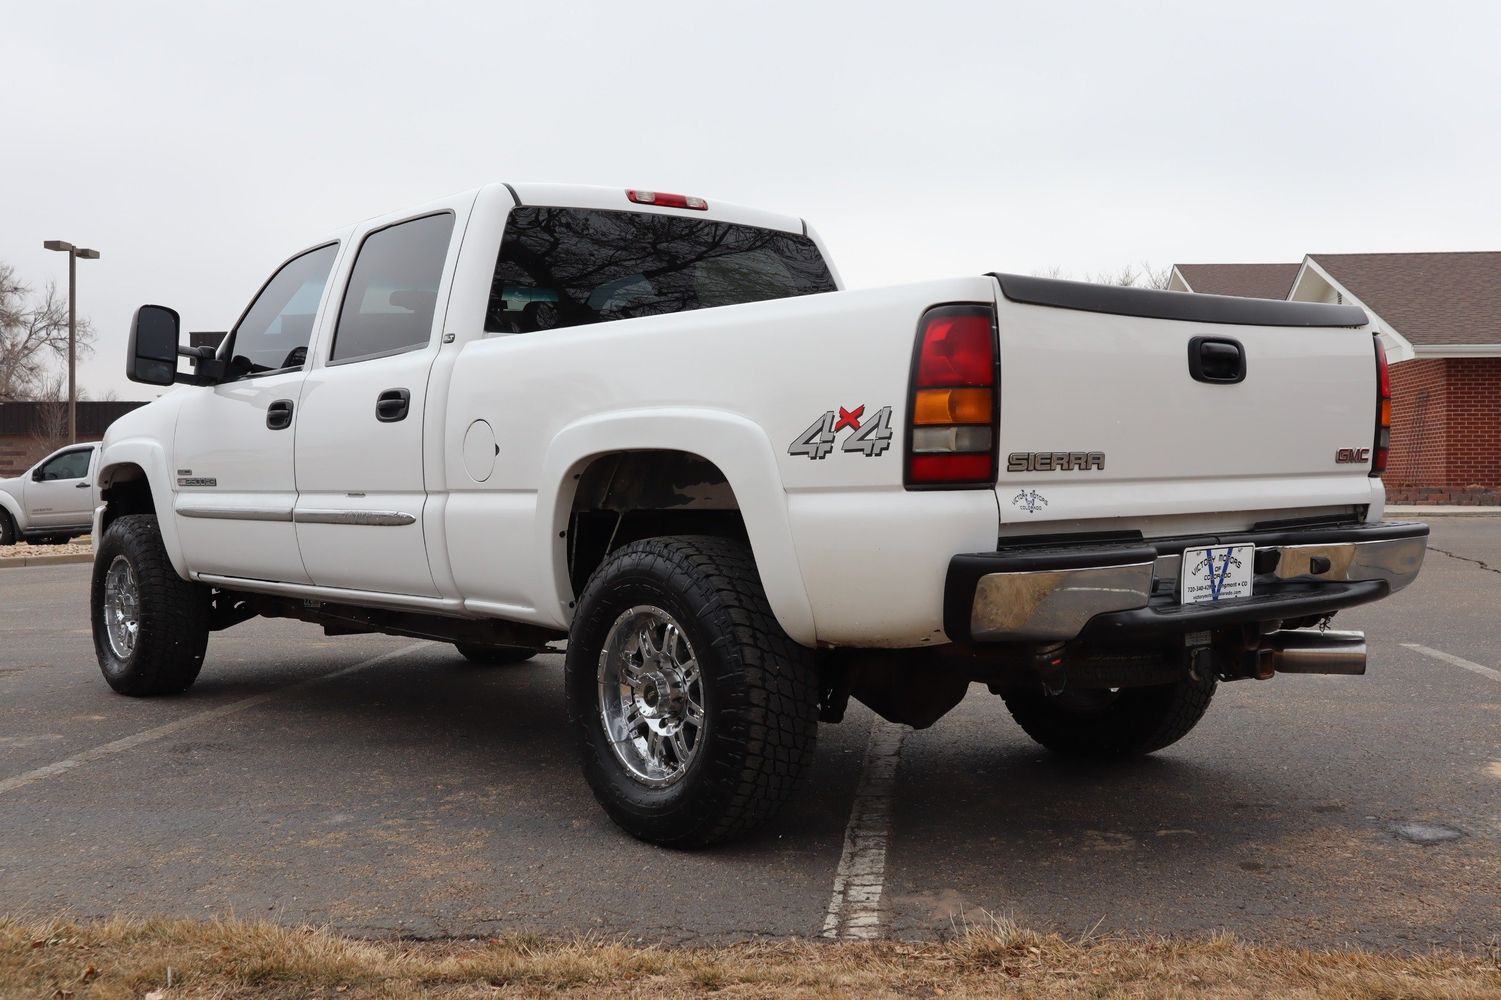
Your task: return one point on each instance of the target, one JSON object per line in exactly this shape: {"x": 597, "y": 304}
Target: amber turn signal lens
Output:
{"x": 952, "y": 406}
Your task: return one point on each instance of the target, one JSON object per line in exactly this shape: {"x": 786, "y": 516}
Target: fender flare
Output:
{"x": 736, "y": 445}
{"x": 12, "y": 507}
{"x": 151, "y": 458}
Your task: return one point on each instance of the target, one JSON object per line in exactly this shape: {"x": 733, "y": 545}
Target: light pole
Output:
{"x": 73, "y": 254}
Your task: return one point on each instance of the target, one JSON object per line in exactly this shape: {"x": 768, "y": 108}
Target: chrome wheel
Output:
{"x": 122, "y": 607}
{"x": 651, "y": 696}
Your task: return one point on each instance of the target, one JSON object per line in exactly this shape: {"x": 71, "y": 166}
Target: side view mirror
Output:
{"x": 36, "y": 474}
{"x": 153, "y": 352}
{"x": 154, "y": 332}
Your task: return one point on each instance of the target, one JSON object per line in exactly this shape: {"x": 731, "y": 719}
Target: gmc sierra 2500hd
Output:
{"x": 656, "y": 427}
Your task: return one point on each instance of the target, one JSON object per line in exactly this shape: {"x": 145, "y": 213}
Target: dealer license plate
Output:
{"x": 1217, "y": 573}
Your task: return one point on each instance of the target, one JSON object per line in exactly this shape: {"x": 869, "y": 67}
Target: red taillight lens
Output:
{"x": 952, "y": 404}
{"x": 958, "y": 349}
{"x": 1381, "y": 449}
{"x": 952, "y": 469}
{"x": 665, "y": 200}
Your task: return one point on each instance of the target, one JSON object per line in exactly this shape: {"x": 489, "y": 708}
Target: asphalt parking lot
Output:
{"x": 382, "y": 785}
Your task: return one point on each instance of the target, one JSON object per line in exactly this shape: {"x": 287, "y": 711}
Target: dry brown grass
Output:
{"x": 130, "y": 958}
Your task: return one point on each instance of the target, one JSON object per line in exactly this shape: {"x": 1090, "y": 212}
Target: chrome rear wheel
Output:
{"x": 651, "y": 696}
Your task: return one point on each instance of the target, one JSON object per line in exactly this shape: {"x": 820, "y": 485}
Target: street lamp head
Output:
{"x": 87, "y": 254}
{"x": 57, "y": 245}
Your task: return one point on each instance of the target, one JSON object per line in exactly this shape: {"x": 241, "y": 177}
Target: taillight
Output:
{"x": 951, "y": 416}
{"x": 665, "y": 200}
{"x": 1382, "y": 447}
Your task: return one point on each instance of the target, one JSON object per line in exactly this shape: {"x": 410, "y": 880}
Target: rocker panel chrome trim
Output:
{"x": 236, "y": 513}
{"x": 379, "y": 518}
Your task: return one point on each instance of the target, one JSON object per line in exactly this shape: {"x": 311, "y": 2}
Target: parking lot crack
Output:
{"x": 1455, "y": 555}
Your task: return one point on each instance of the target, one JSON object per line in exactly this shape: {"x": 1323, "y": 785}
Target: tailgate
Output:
{"x": 1126, "y": 405}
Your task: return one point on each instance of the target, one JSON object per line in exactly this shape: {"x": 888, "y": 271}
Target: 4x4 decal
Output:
{"x": 870, "y": 438}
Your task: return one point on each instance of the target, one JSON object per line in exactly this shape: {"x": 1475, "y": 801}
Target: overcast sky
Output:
{"x": 198, "y": 144}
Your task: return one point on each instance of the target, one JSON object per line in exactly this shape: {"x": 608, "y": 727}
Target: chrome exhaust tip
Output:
{"x": 1309, "y": 651}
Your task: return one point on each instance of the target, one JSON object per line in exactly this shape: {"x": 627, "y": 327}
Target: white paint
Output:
{"x": 1265, "y": 444}
{"x": 735, "y": 386}
{"x": 1457, "y": 661}
{"x": 855, "y": 907}
{"x": 151, "y": 735}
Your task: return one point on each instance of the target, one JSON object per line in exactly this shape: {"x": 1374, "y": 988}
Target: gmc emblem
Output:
{"x": 1352, "y": 456}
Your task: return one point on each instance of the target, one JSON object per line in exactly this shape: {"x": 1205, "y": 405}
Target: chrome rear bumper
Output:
{"x": 1058, "y": 592}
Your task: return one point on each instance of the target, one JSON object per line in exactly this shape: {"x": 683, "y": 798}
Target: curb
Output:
{"x": 1445, "y": 510}
{"x": 43, "y": 561}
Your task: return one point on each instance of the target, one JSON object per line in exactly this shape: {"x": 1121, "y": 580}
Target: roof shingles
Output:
{"x": 1429, "y": 298}
{"x": 1256, "y": 281}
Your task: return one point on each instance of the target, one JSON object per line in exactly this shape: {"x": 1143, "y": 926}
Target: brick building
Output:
{"x": 28, "y": 431}
{"x": 1439, "y": 315}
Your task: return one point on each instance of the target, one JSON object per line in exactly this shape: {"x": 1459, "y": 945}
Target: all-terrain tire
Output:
{"x": 172, "y": 613}
{"x": 1105, "y": 724}
{"x": 759, "y": 687}
{"x": 494, "y": 656}
{"x": 7, "y": 528}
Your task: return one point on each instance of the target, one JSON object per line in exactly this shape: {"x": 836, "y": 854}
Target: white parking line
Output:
{"x": 138, "y": 739}
{"x": 855, "y": 907}
{"x": 1457, "y": 661}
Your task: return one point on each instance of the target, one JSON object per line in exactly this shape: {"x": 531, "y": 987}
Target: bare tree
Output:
{"x": 1128, "y": 276}
{"x": 1156, "y": 277}
{"x": 49, "y": 428}
{"x": 33, "y": 333}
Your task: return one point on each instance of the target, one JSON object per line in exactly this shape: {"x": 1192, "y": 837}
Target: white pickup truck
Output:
{"x": 656, "y": 427}
{"x": 52, "y": 501}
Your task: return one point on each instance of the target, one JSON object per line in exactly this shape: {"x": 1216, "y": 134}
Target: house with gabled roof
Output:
{"x": 1439, "y": 317}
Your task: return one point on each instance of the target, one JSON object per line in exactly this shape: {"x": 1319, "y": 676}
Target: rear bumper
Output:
{"x": 1129, "y": 588}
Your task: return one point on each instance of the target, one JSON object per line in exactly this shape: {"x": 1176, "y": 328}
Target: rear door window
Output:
{"x": 567, "y": 267}
{"x": 393, "y": 291}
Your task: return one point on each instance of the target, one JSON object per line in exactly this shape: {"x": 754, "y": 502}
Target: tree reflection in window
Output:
{"x": 566, "y": 267}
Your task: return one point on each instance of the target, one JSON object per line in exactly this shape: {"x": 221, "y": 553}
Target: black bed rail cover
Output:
{"x": 1193, "y": 307}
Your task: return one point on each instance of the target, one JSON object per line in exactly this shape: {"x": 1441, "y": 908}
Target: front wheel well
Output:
{"x": 125, "y": 490}
{"x": 625, "y": 496}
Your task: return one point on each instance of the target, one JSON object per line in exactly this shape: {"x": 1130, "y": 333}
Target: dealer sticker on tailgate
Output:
{"x": 1218, "y": 573}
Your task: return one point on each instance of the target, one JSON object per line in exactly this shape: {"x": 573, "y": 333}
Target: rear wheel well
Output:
{"x": 623, "y": 497}
{"x": 128, "y": 491}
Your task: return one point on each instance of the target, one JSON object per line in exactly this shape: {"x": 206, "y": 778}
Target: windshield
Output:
{"x": 566, "y": 267}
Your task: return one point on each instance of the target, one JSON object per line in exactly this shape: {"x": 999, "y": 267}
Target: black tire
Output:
{"x": 173, "y": 614}
{"x": 494, "y": 656}
{"x": 7, "y": 528}
{"x": 1127, "y": 722}
{"x": 759, "y": 691}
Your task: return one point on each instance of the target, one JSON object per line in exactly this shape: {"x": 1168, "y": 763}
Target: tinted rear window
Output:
{"x": 567, "y": 267}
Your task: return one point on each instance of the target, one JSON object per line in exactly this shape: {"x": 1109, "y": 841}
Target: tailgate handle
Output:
{"x": 1216, "y": 360}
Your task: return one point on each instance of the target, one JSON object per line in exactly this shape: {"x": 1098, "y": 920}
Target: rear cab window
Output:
{"x": 570, "y": 267}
